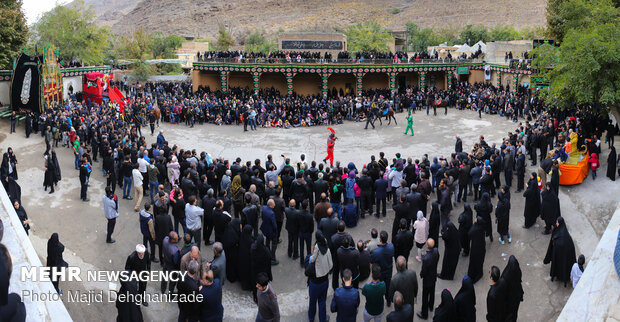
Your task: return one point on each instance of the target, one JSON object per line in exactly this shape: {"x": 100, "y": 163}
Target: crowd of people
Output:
{"x": 176, "y": 103}
{"x": 287, "y": 56}
{"x": 245, "y": 204}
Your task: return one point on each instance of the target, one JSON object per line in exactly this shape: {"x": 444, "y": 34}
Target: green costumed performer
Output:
{"x": 409, "y": 124}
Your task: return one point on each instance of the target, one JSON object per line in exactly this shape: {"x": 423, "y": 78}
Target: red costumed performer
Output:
{"x": 331, "y": 140}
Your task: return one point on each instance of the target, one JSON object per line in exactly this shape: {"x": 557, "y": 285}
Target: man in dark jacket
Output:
{"x": 292, "y": 227}
{"x": 380, "y": 186}
{"x": 404, "y": 282}
{"x": 84, "y": 175}
{"x": 170, "y": 259}
{"x": 163, "y": 226}
{"x": 348, "y": 258}
{"x": 329, "y": 227}
{"x": 269, "y": 228}
{"x": 208, "y": 204}
{"x": 520, "y": 168}
{"x": 268, "y": 308}
{"x": 402, "y": 310}
{"x": 320, "y": 187}
{"x": 278, "y": 210}
{"x": 189, "y": 286}
{"x": 428, "y": 274}
{"x": 320, "y": 210}
{"x": 365, "y": 184}
{"x": 414, "y": 201}
{"x": 339, "y": 239}
{"x": 249, "y": 215}
{"x": 458, "y": 146}
{"x": 383, "y": 255}
{"x": 139, "y": 261}
{"x": 346, "y": 299}
{"x": 403, "y": 242}
{"x": 306, "y": 228}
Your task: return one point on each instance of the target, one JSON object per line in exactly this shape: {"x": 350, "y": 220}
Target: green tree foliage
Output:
{"x": 164, "y": 46}
{"x": 564, "y": 15}
{"x": 369, "y": 37}
{"x": 474, "y": 33}
{"x": 503, "y": 33}
{"x": 73, "y": 31}
{"x": 585, "y": 69}
{"x": 13, "y": 31}
{"x": 256, "y": 42}
{"x": 224, "y": 39}
{"x": 138, "y": 47}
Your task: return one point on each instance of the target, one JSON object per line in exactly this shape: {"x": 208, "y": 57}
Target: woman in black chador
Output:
{"x": 478, "y": 250}
{"x": 532, "y": 201}
{"x": 561, "y": 253}
{"x": 465, "y": 222}
{"x": 451, "y": 253}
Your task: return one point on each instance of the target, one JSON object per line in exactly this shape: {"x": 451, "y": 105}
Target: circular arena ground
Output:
{"x": 81, "y": 226}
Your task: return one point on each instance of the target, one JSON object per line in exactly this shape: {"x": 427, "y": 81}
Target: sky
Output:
{"x": 34, "y": 8}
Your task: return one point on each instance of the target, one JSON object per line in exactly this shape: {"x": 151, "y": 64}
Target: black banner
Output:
{"x": 312, "y": 45}
{"x": 26, "y": 84}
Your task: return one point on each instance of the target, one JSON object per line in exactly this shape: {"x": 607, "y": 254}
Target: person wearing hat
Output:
{"x": 139, "y": 261}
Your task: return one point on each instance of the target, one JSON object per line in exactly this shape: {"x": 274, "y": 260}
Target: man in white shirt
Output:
{"x": 143, "y": 166}
{"x": 193, "y": 219}
{"x": 137, "y": 184}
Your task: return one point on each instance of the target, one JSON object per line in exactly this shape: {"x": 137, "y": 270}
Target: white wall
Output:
{"x": 5, "y": 93}
{"x": 77, "y": 85}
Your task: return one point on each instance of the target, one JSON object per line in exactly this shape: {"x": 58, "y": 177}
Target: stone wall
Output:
{"x": 307, "y": 84}
{"x": 206, "y": 78}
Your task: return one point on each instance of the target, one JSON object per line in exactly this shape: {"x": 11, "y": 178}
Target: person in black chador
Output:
{"x": 512, "y": 277}
{"x": 532, "y": 201}
{"x": 451, "y": 253}
{"x": 560, "y": 253}
{"x": 477, "y": 251}
{"x": 465, "y": 222}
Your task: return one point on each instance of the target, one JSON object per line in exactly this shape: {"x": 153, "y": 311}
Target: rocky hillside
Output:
{"x": 200, "y": 18}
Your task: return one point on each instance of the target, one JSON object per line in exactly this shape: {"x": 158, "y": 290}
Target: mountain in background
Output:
{"x": 200, "y": 18}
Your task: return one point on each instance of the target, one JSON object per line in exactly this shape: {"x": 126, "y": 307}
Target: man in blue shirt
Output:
{"x": 269, "y": 228}
{"x": 346, "y": 299}
{"x": 383, "y": 256}
{"x": 380, "y": 194}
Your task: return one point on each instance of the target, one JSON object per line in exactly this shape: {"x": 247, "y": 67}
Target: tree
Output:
{"x": 503, "y": 33}
{"x": 585, "y": 69}
{"x": 257, "y": 43}
{"x": 13, "y": 31}
{"x": 164, "y": 46}
{"x": 368, "y": 37}
{"x": 472, "y": 34}
{"x": 137, "y": 47}
{"x": 564, "y": 15}
{"x": 73, "y": 31}
{"x": 224, "y": 39}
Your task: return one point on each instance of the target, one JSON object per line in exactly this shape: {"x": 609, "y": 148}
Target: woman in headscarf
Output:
{"x": 477, "y": 251}
{"x": 452, "y": 249}
{"x": 484, "y": 208}
{"x": 260, "y": 261}
{"x": 231, "y": 248}
{"x": 420, "y": 228}
{"x": 560, "y": 253}
{"x": 174, "y": 171}
{"x": 243, "y": 262}
{"x": 512, "y": 278}
{"x": 611, "y": 163}
{"x": 49, "y": 177}
{"x": 54, "y": 256}
{"x": 433, "y": 223}
{"x": 502, "y": 215}
{"x": 22, "y": 215}
{"x": 532, "y": 201}
{"x": 549, "y": 208}
{"x": 12, "y": 307}
{"x": 465, "y": 301}
{"x": 322, "y": 263}
{"x": 237, "y": 195}
{"x": 321, "y": 255}
{"x": 446, "y": 311}
{"x": 465, "y": 223}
